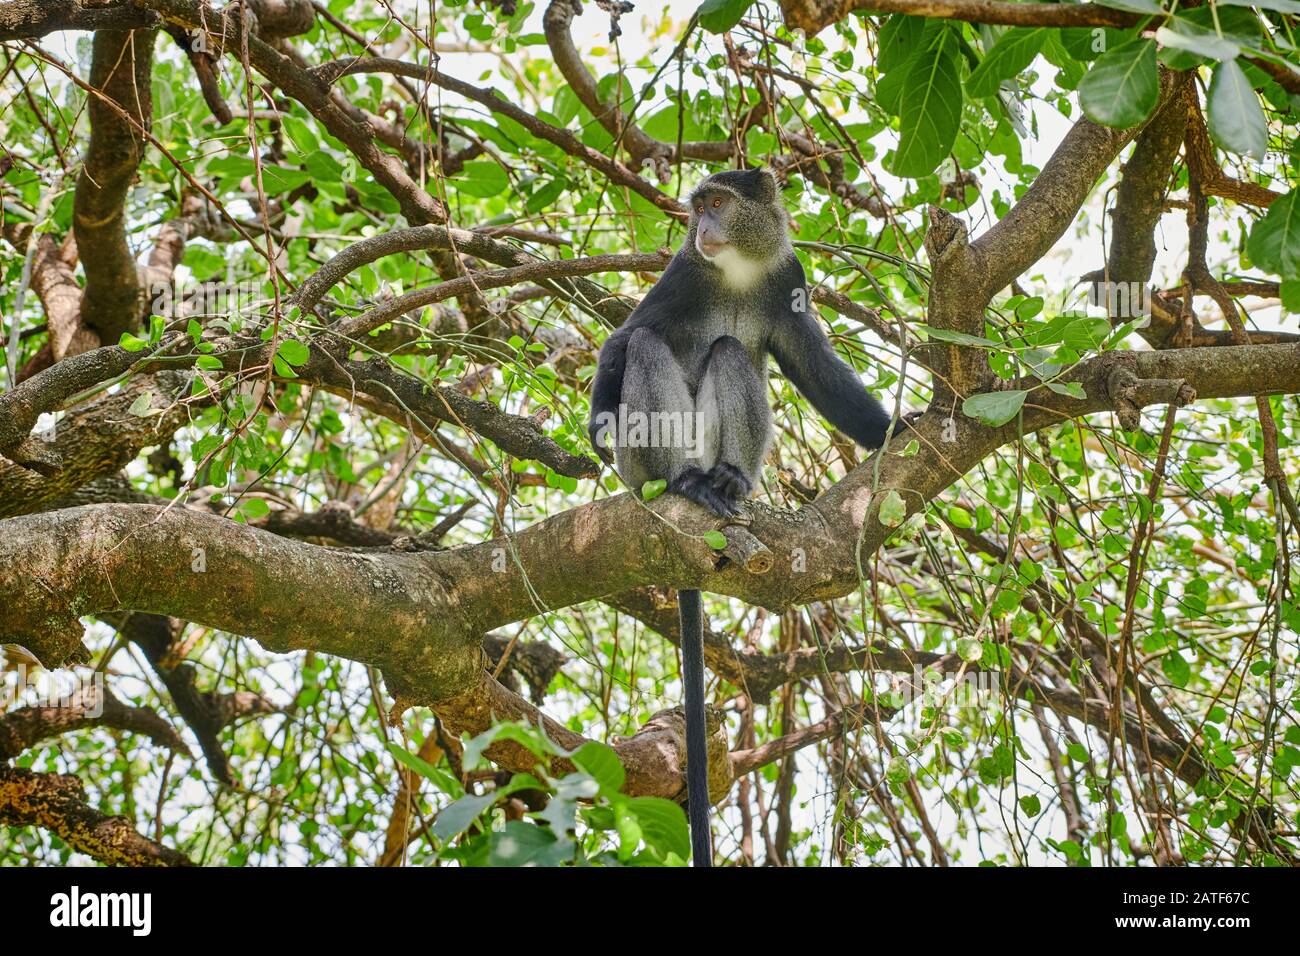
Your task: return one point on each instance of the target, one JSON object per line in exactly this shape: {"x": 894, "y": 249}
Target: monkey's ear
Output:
{"x": 767, "y": 184}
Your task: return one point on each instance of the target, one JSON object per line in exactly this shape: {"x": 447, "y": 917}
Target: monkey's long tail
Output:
{"x": 697, "y": 756}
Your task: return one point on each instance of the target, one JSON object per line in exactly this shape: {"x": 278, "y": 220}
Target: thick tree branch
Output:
{"x": 30, "y": 19}
{"x": 91, "y": 705}
{"x": 122, "y": 68}
{"x": 815, "y": 15}
{"x": 96, "y": 440}
{"x": 57, "y": 802}
{"x": 1139, "y": 204}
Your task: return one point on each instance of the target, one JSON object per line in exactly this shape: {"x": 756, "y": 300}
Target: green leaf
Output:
{"x": 1031, "y": 805}
{"x": 526, "y": 844}
{"x": 457, "y": 816}
{"x": 628, "y": 828}
{"x": 1196, "y": 36}
{"x": 533, "y": 738}
{"x": 719, "y": 16}
{"x": 663, "y": 825}
{"x": 1274, "y": 243}
{"x": 282, "y": 368}
{"x": 715, "y": 540}
{"x": 1031, "y": 571}
{"x": 1236, "y": 119}
{"x": 255, "y": 508}
{"x": 1176, "y": 668}
{"x": 556, "y": 480}
{"x": 208, "y": 363}
{"x": 956, "y": 338}
{"x": 132, "y": 343}
{"x": 994, "y": 408}
{"x": 1072, "y": 389}
{"x": 931, "y": 110}
{"x": 653, "y": 489}
{"x": 1012, "y": 52}
{"x": 1122, "y": 87}
{"x": 953, "y": 737}
{"x": 1085, "y": 333}
{"x": 898, "y": 40}
{"x": 279, "y": 179}
{"x": 897, "y": 771}
{"x": 970, "y": 650}
{"x": 204, "y": 447}
{"x": 482, "y": 179}
{"x": 960, "y": 517}
{"x": 601, "y": 763}
{"x": 892, "y": 509}
{"x": 293, "y": 352}
{"x": 142, "y": 406}
{"x": 1281, "y": 6}
{"x": 1182, "y": 35}
{"x": 1290, "y": 293}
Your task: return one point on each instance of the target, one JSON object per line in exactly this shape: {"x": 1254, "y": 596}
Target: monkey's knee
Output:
{"x": 645, "y": 345}
{"x": 730, "y": 370}
{"x": 727, "y": 348}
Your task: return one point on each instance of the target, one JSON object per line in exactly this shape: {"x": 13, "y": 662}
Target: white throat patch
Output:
{"x": 738, "y": 271}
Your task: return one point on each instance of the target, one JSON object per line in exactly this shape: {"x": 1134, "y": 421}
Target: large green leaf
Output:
{"x": 526, "y": 844}
{"x": 663, "y": 824}
{"x": 931, "y": 110}
{"x": 1236, "y": 119}
{"x": 1281, "y": 6}
{"x": 1198, "y": 36}
{"x": 719, "y": 16}
{"x": 455, "y": 818}
{"x": 483, "y": 179}
{"x": 602, "y": 764}
{"x": 1203, "y": 43}
{"x": 444, "y": 781}
{"x": 1122, "y": 87}
{"x": 994, "y": 408}
{"x": 899, "y": 39}
{"x": 1274, "y": 243}
{"x": 1012, "y": 52}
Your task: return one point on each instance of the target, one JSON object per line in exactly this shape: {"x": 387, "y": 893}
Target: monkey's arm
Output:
{"x": 807, "y": 359}
{"x": 608, "y": 388}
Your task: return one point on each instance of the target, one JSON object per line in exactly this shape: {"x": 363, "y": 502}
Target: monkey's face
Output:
{"x": 737, "y": 224}
{"x": 713, "y": 211}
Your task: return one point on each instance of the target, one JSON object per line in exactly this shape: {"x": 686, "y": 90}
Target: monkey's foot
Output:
{"x": 730, "y": 482}
{"x": 698, "y": 487}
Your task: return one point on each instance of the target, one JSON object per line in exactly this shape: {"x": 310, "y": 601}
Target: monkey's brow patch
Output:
{"x": 709, "y": 191}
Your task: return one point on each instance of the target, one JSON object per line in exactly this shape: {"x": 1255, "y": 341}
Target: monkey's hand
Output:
{"x": 905, "y": 423}
{"x": 597, "y": 436}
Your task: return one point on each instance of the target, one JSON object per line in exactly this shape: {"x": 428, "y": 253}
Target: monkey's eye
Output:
{"x": 700, "y": 210}
{"x": 717, "y": 201}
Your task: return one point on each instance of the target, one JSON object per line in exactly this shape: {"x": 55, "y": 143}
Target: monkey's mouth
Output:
{"x": 710, "y": 249}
